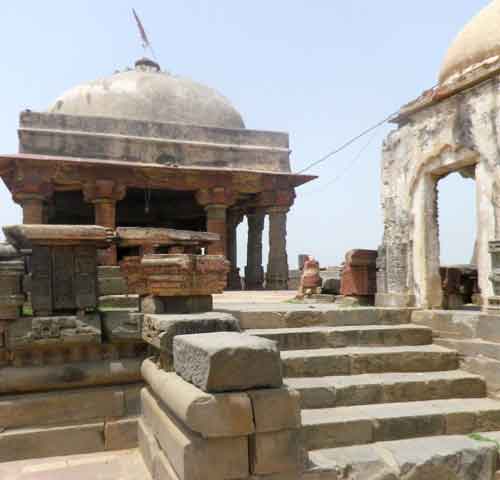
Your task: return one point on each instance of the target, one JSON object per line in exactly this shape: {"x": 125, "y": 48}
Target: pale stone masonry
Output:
{"x": 243, "y": 432}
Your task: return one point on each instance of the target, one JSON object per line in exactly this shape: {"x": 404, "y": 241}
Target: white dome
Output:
{"x": 148, "y": 94}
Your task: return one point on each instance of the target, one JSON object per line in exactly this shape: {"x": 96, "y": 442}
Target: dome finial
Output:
{"x": 145, "y": 64}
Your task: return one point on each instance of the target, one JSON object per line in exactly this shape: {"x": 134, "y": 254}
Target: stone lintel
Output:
{"x": 25, "y": 236}
{"x": 132, "y": 237}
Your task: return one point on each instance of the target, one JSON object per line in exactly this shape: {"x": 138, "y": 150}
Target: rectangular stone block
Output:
{"x": 227, "y": 361}
{"x": 275, "y": 452}
{"x": 160, "y": 330}
{"x": 192, "y": 456}
{"x": 220, "y": 415}
{"x": 121, "y": 434}
{"x": 148, "y": 446}
{"x": 51, "y": 442}
{"x": 39, "y": 409}
{"x": 275, "y": 409}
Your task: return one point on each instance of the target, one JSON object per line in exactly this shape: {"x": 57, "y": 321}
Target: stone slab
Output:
{"x": 359, "y": 360}
{"x": 349, "y": 390}
{"x": 50, "y": 442}
{"x": 76, "y": 406}
{"x": 67, "y": 376}
{"x": 336, "y": 337}
{"x": 227, "y": 361}
{"x": 451, "y": 458}
{"x": 343, "y": 426}
{"x": 289, "y": 315}
{"x": 220, "y": 415}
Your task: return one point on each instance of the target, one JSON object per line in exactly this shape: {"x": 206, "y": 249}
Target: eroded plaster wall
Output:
{"x": 459, "y": 134}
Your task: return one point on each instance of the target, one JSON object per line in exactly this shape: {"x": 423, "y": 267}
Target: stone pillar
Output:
{"x": 216, "y": 202}
{"x": 277, "y": 266}
{"x": 104, "y": 194}
{"x": 254, "y": 272}
{"x": 234, "y": 218}
{"x": 32, "y": 197}
{"x": 216, "y": 223}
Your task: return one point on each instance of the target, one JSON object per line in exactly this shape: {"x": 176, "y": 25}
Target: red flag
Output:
{"x": 141, "y": 29}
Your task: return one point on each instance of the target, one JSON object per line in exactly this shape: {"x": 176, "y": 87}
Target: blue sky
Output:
{"x": 322, "y": 70}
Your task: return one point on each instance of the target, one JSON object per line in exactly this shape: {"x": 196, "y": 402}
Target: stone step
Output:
{"x": 40, "y": 442}
{"x": 358, "y": 425}
{"x": 338, "y": 337}
{"x": 359, "y": 360}
{"x": 343, "y": 391}
{"x": 428, "y": 458}
{"x": 289, "y": 315}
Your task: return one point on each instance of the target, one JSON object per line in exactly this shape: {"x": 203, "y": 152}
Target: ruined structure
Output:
{"x": 452, "y": 128}
{"x": 144, "y": 148}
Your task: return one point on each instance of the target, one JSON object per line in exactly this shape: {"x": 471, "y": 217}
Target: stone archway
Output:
{"x": 424, "y": 232}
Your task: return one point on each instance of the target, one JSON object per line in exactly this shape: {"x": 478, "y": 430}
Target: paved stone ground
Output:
{"x": 121, "y": 465}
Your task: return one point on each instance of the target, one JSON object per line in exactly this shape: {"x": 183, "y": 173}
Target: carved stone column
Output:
{"x": 216, "y": 202}
{"x": 277, "y": 266}
{"x": 104, "y": 194}
{"x": 234, "y": 218}
{"x": 254, "y": 272}
{"x": 32, "y": 196}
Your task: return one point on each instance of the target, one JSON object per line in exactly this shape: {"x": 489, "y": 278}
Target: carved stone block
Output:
{"x": 49, "y": 331}
{"x": 174, "y": 275}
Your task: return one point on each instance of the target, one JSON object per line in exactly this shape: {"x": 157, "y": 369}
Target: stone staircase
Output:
{"x": 374, "y": 394}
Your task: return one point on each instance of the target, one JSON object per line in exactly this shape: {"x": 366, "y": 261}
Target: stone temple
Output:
{"x": 144, "y": 148}
{"x": 121, "y": 357}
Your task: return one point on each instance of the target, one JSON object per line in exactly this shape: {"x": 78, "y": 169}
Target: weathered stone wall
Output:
{"x": 147, "y": 142}
{"x": 458, "y": 134}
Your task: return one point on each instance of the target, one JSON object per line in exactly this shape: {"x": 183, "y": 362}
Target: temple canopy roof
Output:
{"x": 148, "y": 94}
{"x": 476, "y": 46}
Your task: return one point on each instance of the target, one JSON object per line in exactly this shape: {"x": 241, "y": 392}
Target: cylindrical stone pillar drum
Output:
{"x": 105, "y": 216}
{"x": 254, "y": 272}
{"x": 33, "y": 210}
{"x": 216, "y": 223}
{"x": 277, "y": 267}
